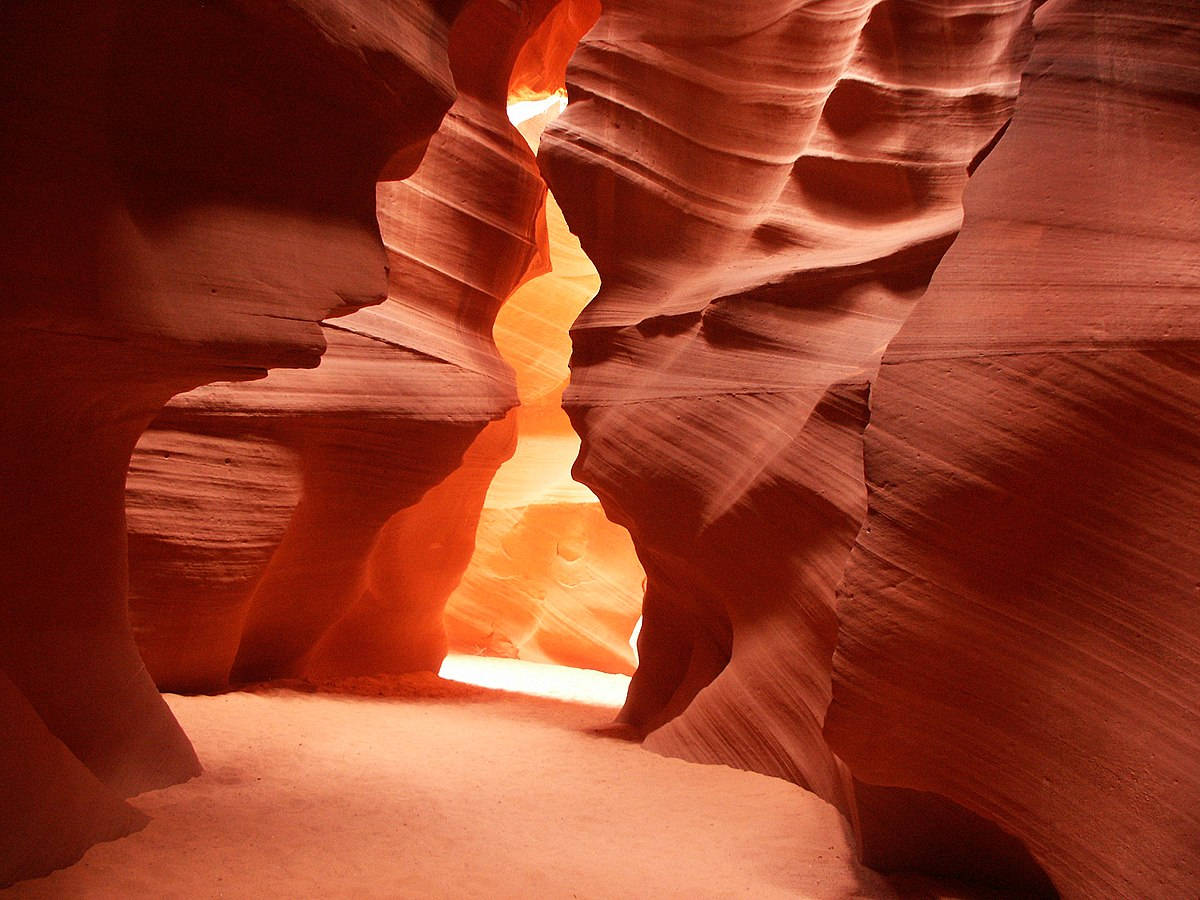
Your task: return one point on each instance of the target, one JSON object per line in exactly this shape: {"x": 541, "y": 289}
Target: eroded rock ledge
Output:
{"x": 184, "y": 201}
{"x": 765, "y": 192}
{"x": 983, "y": 651}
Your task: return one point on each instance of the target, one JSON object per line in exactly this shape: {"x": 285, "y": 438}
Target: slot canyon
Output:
{"x": 600, "y": 448}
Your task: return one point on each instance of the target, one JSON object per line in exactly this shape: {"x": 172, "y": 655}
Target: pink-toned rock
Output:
{"x": 1020, "y": 618}
{"x": 54, "y": 808}
{"x": 765, "y": 190}
{"x": 205, "y": 514}
{"x": 551, "y": 579}
{"x": 396, "y": 624}
{"x": 185, "y": 195}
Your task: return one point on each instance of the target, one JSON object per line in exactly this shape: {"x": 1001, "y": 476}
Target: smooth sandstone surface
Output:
{"x": 551, "y": 579}
{"x": 347, "y": 793}
{"x": 1017, "y": 630}
{"x": 331, "y": 580}
{"x": 183, "y": 201}
{"x": 1020, "y": 618}
{"x": 972, "y": 629}
{"x": 765, "y": 190}
{"x": 38, "y": 772}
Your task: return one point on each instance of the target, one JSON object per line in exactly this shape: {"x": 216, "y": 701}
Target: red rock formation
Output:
{"x": 403, "y": 390}
{"x": 541, "y": 66}
{"x": 1019, "y": 620}
{"x": 765, "y": 190}
{"x": 183, "y": 200}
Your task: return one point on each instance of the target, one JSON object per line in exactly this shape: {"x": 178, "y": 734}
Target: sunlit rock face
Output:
{"x": 766, "y": 194}
{"x": 551, "y": 578}
{"x": 183, "y": 200}
{"x": 765, "y": 190}
{"x": 1019, "y": 620}
{"x": 311, "y": 468}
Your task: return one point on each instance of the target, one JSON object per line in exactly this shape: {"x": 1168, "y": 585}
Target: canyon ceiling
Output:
{"x": 893, "y": 377}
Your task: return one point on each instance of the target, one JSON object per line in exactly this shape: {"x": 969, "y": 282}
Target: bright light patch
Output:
{"x": 532, "y": 116}
{"x": 538, "y": 679}
{"x": 543, "y": 542}
{"x": 524, "y": 110}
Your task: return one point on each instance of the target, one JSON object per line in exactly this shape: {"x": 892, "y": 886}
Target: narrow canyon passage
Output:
{"x": 870, "y": 330}
{"x": 551, "y": 579}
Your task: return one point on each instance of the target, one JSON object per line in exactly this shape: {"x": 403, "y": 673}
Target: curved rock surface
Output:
{"x": 765, "y": 190}
{"x": 1020, "y": 626}
{"x": 183, "y": 201}
{"x": 401, "y": 393}
{"x": 551, "y": 578}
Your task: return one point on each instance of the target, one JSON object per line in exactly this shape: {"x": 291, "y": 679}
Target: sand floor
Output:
{"x": 435, "y": 789}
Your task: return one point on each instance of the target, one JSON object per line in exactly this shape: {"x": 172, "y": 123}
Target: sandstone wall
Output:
{"x": 303, "y": 475}
{"x": 1019, "y": 620}
{"x": 551, "y": 579}
{"x": 766, "y": 194}
{"x": 981, "y": 647}
{"x": 765, "y": 190}
{"x": 183, "y": 199}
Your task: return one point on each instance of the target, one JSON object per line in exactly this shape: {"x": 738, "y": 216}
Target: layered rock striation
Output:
{"x": 765, "y": 190}
{"x": 1020, "y": 629}
{"x": 973, "y": 630}
{"x": 320, "y": 482}
{"x": 551, "y": 579}
{"x": 766, "y": 194}
{"x": 184, "y": 200}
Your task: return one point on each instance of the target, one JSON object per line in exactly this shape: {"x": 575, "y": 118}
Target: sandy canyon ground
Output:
{"x": 421, "y": 787}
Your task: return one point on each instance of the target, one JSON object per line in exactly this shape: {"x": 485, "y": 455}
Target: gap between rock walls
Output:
{"x": 551, "y": 579}
{"x": 838, "y": 427}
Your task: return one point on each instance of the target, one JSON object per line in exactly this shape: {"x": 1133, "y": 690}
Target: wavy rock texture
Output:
{"x": 765, "y": 190}
{"x": 327, "y": 585}
{"x": 551, "y": 579}
{"x": 182, "y": 202}
{"x": 1020, "y": 620}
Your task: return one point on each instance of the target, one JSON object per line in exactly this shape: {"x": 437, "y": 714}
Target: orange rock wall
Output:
{"x": 183, "y": 202}
{"x": 766, "y": 193}
{"x": 324, "y": 461}
{"x": 997, "y": 675}
{"x": 551, "y": 579}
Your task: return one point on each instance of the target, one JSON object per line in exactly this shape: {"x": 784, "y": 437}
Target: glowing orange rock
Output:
{"x": 552, "y": 579}
{"x": 396, "y": 622}
{"x": 401, "y": 394}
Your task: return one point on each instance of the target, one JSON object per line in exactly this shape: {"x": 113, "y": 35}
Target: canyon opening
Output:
{"x": 598, "y": 448}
